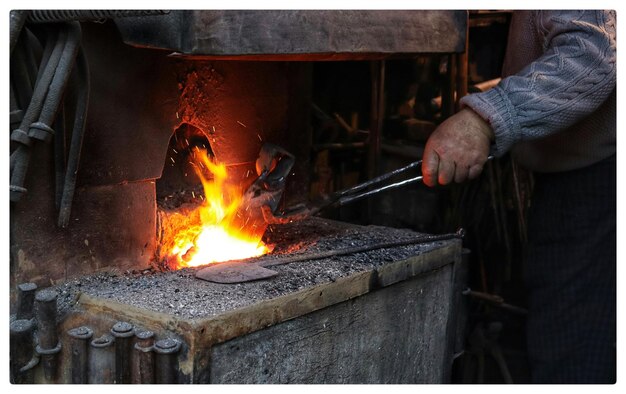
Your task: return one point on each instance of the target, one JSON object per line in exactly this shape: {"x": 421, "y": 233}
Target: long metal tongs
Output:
{"x": 344, "y": 197}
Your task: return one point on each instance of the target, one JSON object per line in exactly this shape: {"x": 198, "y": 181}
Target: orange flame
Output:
{"x": 217, "y": 235}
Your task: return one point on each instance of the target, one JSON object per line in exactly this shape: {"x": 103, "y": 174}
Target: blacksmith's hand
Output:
{"x": 457, "y": 149}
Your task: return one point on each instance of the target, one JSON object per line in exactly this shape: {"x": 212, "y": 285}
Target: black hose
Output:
{"x": 46, "y": 16}
{"x": 77, "y": 140}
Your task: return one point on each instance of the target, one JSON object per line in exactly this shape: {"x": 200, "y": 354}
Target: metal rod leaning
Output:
{"x": 78, "y": 132}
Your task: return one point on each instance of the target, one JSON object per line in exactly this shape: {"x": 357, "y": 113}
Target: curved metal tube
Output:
{"x": 78, "y": 133}
{"x": 46, "y": 73}
{"x": 55, "y": 40}
{"x": 51, "y": 40}
{"x": 59, "y": 157}
{"x": 62, "y": 75}
{"x": 41, "y": 88}
{"x": 42, "y": 130}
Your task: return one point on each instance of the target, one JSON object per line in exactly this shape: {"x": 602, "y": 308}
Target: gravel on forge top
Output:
{"x": 181, "y": 294}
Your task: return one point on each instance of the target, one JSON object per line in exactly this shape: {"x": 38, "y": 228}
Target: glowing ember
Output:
{"x": 214, "y": 231}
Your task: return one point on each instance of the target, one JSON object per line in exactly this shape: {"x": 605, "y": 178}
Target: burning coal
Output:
{"x": 216, "y": 230}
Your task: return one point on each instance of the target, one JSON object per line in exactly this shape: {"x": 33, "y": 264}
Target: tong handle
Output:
{"x": 351, "y": 198}
{"x": 349, "y": 195}
{"x": 378, "y": 179}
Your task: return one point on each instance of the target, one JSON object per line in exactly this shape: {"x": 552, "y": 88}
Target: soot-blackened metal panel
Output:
{"x": 132, "y": 109}
{"x": 111, "y": 228}
{"x": 298, "y": 34}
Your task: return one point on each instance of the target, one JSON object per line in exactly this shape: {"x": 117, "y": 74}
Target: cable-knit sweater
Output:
{"x": 555, "y": 106}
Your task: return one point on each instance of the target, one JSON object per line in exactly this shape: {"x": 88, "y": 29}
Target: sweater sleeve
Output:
{"x": 572, "y": 78}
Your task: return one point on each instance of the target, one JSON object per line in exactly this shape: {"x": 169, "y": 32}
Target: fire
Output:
{"x": 215, "y": 232}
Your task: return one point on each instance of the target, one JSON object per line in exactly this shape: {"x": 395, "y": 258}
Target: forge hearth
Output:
{"x": 379, "y": 316}
{"x": 230, "y": 81}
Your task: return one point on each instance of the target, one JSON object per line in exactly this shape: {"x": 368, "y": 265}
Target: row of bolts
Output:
{"x": 125, "y": 355}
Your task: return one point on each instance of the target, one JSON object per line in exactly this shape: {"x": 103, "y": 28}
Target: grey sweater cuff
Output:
{"x": 496, "y": 109}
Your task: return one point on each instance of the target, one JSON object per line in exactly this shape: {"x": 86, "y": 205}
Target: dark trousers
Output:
{"x": 571, "y": 276}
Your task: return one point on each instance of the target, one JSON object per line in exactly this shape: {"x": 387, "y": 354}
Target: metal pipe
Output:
{"x": 61, "y": 76}
{"x": 506, "y": 267}
{"x": 47, "y": 69}
{"x": 25, "y": 300}
{"x": 78, "y": 133}
{"x": 48, "y": 344}
{"x": 123, "y": 333}
{"x": 59, "y": 157}
{"x": 46, "y": 16}
{"x": 378, "y": 179}
{"x": 274, "y": 261}
{"x": 166, "y": 370}
{"x": 350, "y": 199}
{"x": 519, "y": 202}
{"x": 52, "y": 36}
{"x": 79, "y": 338}
{"x": 376, "y": 115}
{"x": 41, "y": 129}
{"x": 143, "y": 358}
{"x": 102, "y": 360}
{"x": 377, "y": 109}
{"x": 19, "y": 158}
{"x": 21, "y": 351}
